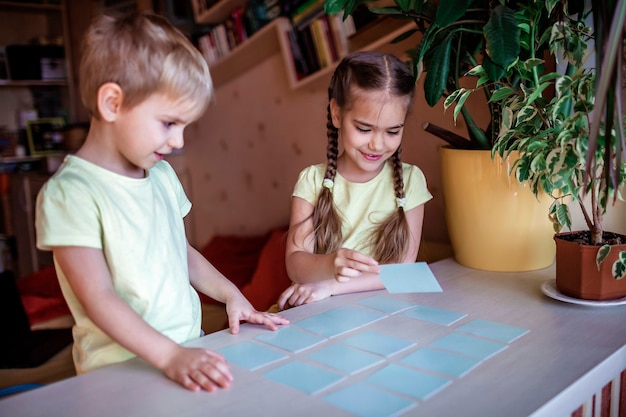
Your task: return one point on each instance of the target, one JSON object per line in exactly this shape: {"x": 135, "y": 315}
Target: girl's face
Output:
{"x": 147, "y": 132}
{"x": 371, "y": 131}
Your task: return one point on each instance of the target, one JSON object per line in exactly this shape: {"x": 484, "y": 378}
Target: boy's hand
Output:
{"x": 196, "y": 369}
{"x": 239, "y": 309}
{"x": 350, "y": 263}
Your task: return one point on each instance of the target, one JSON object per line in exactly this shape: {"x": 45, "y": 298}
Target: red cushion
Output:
{"x": 43, "y": 283}
{"x": 41, "y": 296}
{"x": 40, "y": 309}
{"x": 234, "y": 256}
{"x": 270, "y": 278}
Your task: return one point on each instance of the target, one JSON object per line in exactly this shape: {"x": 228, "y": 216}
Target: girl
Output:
{"x": 363, "y": 207}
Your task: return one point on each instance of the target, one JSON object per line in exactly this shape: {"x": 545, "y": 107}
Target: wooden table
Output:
{"x": 569, "y": 353}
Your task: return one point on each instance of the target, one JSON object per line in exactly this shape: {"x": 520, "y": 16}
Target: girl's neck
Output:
{"x": 351, "y": 173}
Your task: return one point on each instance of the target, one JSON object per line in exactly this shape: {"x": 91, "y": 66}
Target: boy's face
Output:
{"x": 147, "y": 132}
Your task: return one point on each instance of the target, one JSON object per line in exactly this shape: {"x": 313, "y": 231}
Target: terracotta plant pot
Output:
{"x": 577, "y": 274}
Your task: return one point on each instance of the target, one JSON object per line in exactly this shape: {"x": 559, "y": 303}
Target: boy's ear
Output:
{"x": 110, "y": 98}
{"x": 335, "y": 113}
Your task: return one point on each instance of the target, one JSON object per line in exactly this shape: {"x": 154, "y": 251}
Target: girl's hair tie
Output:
{"x": 400, "y": 202}
{"x": 328, "y": 183}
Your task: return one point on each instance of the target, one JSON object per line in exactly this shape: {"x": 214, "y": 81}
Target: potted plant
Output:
{"x": 481, "y": 200}
{"x": 567, "y": 127}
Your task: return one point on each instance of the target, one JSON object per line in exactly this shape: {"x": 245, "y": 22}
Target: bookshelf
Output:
{"x": 35, "y": 23}
{"x": 273, "y": 38}
{"x": 251, "y": 52}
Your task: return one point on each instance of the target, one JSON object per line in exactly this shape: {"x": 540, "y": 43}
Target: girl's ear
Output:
{"x": 335, "y": 113}
{"x": 110, "y": 98}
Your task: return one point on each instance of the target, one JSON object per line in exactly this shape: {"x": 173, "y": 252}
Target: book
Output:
{"x": 329, "y": 38}
{"x": 305, "y": 39}
{"x": 307, "y": 12}
{"x": 300, "y": 64}
{"x": 321, "y": 43}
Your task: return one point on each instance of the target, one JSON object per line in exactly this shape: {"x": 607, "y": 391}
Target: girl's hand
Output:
{"x": 239, "y": 309}
{"x": 298, "y": 294}
{"x": 196, "y": 369}
{"x": 350, "y": 263}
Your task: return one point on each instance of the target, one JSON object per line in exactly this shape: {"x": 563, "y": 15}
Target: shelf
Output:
{"x": 272, "y": 39}
{"x": 217, "y": 13}
{"x": 375, "y": 36}
{"x": 32, "y": 6}
{"x": 32, "y": 83}
{"x": 261, "y": 45}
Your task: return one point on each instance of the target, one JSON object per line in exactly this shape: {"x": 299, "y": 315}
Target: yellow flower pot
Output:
{"x": 494, "y": 222}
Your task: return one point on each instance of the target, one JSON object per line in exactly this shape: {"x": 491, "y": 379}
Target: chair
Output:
{"x": 23, "y": 347}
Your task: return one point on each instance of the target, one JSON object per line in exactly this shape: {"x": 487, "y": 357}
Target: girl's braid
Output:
{"x": 332, "y": 149}
{"x": 398, "y": 182}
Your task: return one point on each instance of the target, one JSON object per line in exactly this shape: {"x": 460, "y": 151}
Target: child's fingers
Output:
{"x": 212, "y": 373}
{"x": 360, "y": 258}
{"x": 284, "y": 297}
{"x": 233, "y": 324}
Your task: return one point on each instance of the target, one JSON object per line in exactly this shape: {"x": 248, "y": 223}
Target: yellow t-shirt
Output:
{"x": 363, "y": 205}
{"x": 138, "y": 224}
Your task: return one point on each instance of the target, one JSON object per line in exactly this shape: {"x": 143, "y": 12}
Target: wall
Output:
{"x": 243, "y": 156}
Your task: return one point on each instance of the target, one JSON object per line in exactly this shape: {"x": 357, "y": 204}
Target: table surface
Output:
{"x": 568, "y": 353}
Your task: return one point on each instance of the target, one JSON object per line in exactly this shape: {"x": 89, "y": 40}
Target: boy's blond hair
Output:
{"x": 144, "y": 54}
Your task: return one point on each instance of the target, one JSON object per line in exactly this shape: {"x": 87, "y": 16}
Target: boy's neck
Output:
{"x": 99, "y": 149}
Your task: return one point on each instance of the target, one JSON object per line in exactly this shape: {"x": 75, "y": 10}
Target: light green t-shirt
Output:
{"x": 363, "y": 205}
{"x": 138, "y": 224}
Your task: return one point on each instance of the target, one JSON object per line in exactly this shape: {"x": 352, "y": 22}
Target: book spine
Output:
{"x": 300, "y": 65}
{"x": 329, "y": 38}
{"x": 305, "y": 38}
{"x": 321, "y": 44}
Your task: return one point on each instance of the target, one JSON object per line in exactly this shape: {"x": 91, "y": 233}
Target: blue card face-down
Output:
{"x": 434, "y": 315}
{"x": 345, "y": 358}
{"x": 365, "y": 400}
{"x": 304, "y": 377}
{"x": 440, "y": 361}
{"x": 378, "y": 343}
{"x": 291, "y": 339}
{"x": 492, "y": 330}
{"x": 250, "y": 355}
{"x": 386, "y": 303}
{"x": 409, "y": 278}
{"x": 339, "y": 321}
{"x": 469, "y": 345}
{"x": 408, "y": 381}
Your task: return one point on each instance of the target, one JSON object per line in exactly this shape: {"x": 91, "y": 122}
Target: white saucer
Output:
{"x": 549, "y": 289}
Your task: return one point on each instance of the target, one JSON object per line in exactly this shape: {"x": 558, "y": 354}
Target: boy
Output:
{"x": 113, "y": 213}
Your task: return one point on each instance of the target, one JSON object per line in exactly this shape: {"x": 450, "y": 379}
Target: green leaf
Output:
{"x": 460, "y": 104}
{"x": 538, "y": 92}
{"x": 405, "y": 5}
{"x": 452, "y": 97}
{"x": 501, "y": 93}
{"x": 335, "y": 6}
{"x": 531, "y": 63}
{"x": 563, "y": 216}
{"x": 450, "y": 11}
{"x": 494, "y": 71}
{"x": 437, "y": 72}
{"x": 403, "y": 36}
{"x": 502, "y": 36}
{"x": 619, "y": 267}
{"x": 549, "y": 77}
{"x": 603, "y": 252}
{"x": 394, "y": 12}
{"x": 526, "y": 114}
